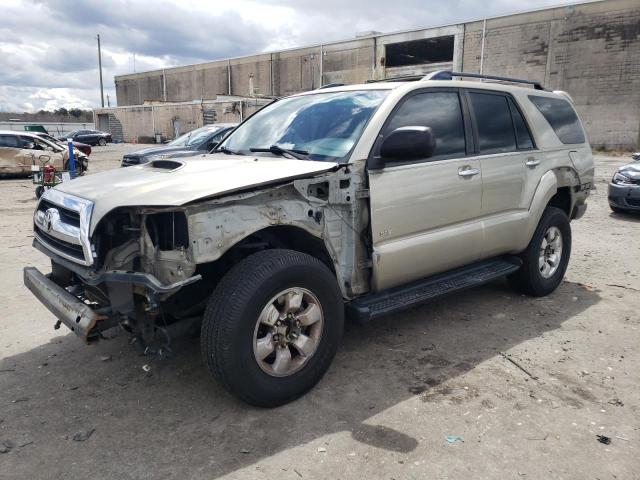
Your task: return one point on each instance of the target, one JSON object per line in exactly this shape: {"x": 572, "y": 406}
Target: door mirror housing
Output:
{"x": 405, "y": 143}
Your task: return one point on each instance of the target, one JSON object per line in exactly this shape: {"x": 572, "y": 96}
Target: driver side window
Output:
{"x": 442, "y": 112}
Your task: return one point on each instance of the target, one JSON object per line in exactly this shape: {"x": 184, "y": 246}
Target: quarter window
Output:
{"x": 442, "y": 112}
{"x": 562, "y": 118}
{"x": 493, "y": 122}
{"x": 523, "y": 137}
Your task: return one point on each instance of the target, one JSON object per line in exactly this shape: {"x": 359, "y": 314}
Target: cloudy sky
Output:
{"x": 48, "y": 53}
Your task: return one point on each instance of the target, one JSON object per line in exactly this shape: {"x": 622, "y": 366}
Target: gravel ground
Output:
{"x": 424, "y": 394}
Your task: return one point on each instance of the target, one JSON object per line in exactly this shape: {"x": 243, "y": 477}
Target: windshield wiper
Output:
{"x": 278, "y": 150}
{"x": 224, "y": 149}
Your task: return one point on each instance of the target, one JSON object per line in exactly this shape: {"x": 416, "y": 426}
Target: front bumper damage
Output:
{"x": 87, "y": 321}
{"x": 79, "y": 317}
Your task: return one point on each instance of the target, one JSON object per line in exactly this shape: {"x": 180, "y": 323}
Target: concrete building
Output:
{"x": 591, "y": 50}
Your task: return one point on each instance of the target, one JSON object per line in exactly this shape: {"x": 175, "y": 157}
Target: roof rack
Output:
{"x": 402, "y": 78}
{"x": 330, "y": 85}
{"x": 448, "y": 75}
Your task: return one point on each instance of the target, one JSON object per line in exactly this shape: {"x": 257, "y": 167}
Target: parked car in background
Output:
{"x": 90, "y": 137}
{"x": 83, "y": 147}
{"x": 624, "y": 188}
{"x": 20, "y": 150}
{"x": 200, "y": 140}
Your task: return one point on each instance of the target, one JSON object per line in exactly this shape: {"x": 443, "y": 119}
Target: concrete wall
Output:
{"x": 139, "y": 124}
{"x": 591, "y": 50}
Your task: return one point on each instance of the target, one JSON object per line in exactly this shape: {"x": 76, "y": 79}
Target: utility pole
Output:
{"x": 100, "y": 68}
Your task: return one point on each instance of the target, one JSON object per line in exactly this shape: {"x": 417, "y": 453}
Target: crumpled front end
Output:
{"x": 118, "y": 277}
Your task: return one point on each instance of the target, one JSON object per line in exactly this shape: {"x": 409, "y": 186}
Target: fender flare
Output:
{"x": 546, "y": 189}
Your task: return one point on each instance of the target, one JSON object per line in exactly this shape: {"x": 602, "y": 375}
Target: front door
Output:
{"x": 425, "y": 214}
{"x": 11, "y": 157}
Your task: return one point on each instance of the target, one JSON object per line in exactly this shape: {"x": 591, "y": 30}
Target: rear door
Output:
{"x": 508, "y": 159}
{"x": 10, "y": 154}
{"x": 425, "y": 213}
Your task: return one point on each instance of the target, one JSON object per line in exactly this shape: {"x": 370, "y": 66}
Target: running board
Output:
{"x": 406, "y": 296}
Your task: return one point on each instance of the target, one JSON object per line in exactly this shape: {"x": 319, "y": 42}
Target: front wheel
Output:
{"x": 545, "y": 260}
{"x": 272, "y": 326}
{"x": 102, "y": 142}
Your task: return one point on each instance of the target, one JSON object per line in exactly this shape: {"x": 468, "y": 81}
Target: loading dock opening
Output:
{"x": 419, "y": 52}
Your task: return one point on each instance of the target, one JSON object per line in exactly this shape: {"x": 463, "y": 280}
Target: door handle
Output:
{"x": 532, "y": 162}
{"x": 468, "y": 172}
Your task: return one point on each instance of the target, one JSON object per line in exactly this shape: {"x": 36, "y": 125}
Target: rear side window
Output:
{"x": 493, "y": 121}
{"x": 442, "y": 112}
{"x": 562, "y": 118}
{"x": 10, "y": 141}
{"x": 523, "y": 137}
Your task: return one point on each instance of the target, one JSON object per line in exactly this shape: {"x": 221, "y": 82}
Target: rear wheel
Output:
{"x": 102, "y": 142}
{"x": 545, "y": 260}
{"x": 272, "y": 327}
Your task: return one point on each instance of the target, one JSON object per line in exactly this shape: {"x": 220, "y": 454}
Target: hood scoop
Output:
{"x": 166, "y": 165}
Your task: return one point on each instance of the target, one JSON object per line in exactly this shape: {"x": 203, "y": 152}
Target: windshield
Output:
{"x": 194, "y": 137}
{"x": 325, "y": 126}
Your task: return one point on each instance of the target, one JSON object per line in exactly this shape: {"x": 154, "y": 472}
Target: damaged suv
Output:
{"x": 361, "y": 200}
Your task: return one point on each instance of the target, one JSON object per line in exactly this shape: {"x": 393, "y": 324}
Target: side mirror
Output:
{"x": 48, "y": 148}
{"x": 405, "y": 143}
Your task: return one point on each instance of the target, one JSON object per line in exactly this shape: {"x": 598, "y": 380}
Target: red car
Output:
{"x": 83, "y": 147}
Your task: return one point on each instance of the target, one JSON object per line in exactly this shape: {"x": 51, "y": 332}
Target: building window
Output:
{"x": 419, "y": 52}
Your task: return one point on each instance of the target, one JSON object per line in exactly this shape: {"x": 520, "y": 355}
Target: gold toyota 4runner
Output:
{"x": 357, "y": 200}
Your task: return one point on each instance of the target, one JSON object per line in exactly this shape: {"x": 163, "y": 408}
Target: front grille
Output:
{"x": 633, "y": 202}
{"x": 60, "y": 245}
{"x": 67, "y": 216}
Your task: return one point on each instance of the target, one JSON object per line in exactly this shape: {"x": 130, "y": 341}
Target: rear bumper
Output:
{"x": 625, "y": 197}
{"x": 79, "y": 317}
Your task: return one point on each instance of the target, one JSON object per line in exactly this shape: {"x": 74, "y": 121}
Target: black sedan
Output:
{"x": 624, "y": 189}
{"x": 198, "y": 141}
{"x": 90, "y": 137}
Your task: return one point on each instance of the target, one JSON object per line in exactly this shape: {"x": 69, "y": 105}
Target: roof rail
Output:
{"x": 402, "y": 78}
{"x": 329, "y": 85}
{"x": 448, "y": 75}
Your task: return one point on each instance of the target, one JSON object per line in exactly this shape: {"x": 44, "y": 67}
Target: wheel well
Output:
{"x": 562, "y": 200}
{"x": 192, "y": 298}
{"x": 292, "y": 238}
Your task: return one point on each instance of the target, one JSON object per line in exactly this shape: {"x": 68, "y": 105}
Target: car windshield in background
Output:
{"x": 193, "y": 138}
{"x": 325, "y": 126}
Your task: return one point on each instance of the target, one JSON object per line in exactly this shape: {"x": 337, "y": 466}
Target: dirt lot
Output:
{"x": 425, "y": 394}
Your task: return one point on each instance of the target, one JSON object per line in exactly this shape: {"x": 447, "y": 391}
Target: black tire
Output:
{"x": 529, "y": 279}
{"x": 230, "y": 322}
{"x": 102, "y": 142}
{"x": 617, "y": 209}
{"x": 39, "y": 191}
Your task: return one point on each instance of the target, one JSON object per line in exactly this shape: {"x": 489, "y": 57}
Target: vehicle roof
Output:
{"x": 16, "y": 132}
{"x": 217, "y": 125}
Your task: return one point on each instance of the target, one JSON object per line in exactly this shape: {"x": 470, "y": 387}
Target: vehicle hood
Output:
{"x": 186, "y": 180}
{"x": 145, "y": 152}
{"x": 631, "y": 170}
